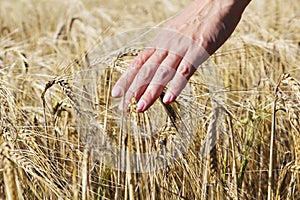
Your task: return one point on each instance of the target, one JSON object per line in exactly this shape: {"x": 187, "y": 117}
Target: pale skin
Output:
{"x": 174, "y": 55}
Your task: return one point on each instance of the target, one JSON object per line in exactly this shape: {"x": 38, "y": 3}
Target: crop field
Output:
{"x": 233, "y": 133}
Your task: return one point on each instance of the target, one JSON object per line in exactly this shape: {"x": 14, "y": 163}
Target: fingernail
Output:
{"x": 116, "y": 92}
{"x": 140, "y": 106}
{"x": 168, "y": 98}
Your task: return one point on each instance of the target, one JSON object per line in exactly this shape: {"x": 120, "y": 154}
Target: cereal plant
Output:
{"x": 232, "y": 134}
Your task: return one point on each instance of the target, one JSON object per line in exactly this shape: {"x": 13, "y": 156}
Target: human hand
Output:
{"x": 177, "y": 51}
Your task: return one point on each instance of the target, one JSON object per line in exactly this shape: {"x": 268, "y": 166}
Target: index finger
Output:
{"x": 128, "y": 76}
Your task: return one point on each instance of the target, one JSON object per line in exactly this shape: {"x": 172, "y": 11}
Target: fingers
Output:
{"x": 183, "y": 73}
{"x": 163, "y": 75}
{"x": 145, "y": 75}
{"x": 147, "y": 82}
{"x": 128, "y": 76}
{"x": 151, "y": 71}
{"x": 195, "y": 56}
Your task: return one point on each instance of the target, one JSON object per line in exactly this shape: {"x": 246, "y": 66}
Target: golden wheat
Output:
{"x": 292, "y": 108}
{"x": 51, "y": 146}
{"x": 9, "y": 179}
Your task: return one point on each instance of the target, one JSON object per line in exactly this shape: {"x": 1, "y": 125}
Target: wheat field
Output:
{"x": 234, "y": 133}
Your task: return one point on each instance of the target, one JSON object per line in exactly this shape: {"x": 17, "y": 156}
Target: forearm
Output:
{"x": 219, "y": 19}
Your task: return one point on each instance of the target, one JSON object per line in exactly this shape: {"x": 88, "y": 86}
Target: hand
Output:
{"x": 177, "y": 51}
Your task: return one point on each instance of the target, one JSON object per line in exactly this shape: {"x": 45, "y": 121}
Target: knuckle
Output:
{"x": 163, "y": 75}
{"x": 144, "y": 75}
{"x": 185, "y": 70}
{"x": 136, "y": 63}
{"x": 141, "y": 58}
{"x": 163, "y": 71}
{"x": 150, "y": 94}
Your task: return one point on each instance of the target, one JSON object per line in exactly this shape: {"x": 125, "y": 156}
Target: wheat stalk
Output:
{"x": 47, "y": 150}
{"x": 9, "y": 179}
{"x": 292, "y": 108}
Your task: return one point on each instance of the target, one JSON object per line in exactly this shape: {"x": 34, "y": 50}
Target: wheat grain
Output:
{"x": 292, "y": 108}
{"x": 46, "y": 149}
{"x": 294, "y": 168}
{"x": 293, "y": 83}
